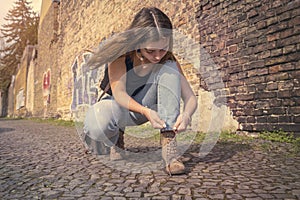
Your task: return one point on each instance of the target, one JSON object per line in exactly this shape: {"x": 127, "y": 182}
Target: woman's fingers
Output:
{"x": 181, "y": 127}
{"x": 156, "y": 121}
{"x": 180, "y": 124}
{"x": 157, "y": 124}
{"x": 177, "y": 123}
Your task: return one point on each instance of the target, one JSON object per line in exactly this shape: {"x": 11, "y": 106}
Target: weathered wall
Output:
{"x": 1, "y": 103}
{"x": 45, "y": 6}
{"x": 30, "y": 85}
{"x": 11, "y": 98}
{"x": 256, "y": 46}
{"x": 71, "y": 28}
{"x": 249, "y": 61}
{"x": 45, "y": 102}
{"x": 20, "y": 87}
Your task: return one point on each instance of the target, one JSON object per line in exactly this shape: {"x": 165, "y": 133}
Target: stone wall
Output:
{"x": 71, "y": 29}
{"x": 46, "y": 73}
{"x": 30, "y": 85}
{"x": 11, "y": 98}
{"x": 249, "y": 69}
{"x": 256, "y": 46}
{"x": 20, "y": 87}
{"x": 1, "y": 103}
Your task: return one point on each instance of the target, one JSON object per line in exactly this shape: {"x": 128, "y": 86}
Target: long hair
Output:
{"x": 149, "y": 24}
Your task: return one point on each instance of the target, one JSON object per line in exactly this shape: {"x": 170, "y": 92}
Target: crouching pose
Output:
{"x": 146, "y": 83}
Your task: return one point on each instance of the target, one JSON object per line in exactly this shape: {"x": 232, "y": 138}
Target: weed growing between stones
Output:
{"x": 282, "y": 137}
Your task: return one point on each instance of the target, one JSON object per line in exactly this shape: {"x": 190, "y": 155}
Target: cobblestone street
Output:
{"x": 44, "y": 161}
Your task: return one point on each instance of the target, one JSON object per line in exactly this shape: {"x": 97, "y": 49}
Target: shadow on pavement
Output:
{"x": 221, "y": 152}
{"x": 4, "y": 130}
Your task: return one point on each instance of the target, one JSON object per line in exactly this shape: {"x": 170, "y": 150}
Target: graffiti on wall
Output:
{"x": 85, "y": 82}
{"x": 46, "y": 87}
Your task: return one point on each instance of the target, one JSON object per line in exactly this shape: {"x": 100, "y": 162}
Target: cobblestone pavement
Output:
{"x": 44, "y": 161}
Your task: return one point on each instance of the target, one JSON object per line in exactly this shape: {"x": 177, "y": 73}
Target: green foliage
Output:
{"x": 224, "y": 136}
{"x": 143, "y": 131}
{"x": 57, "y": 122}
{"x": 296, "y": 145}
{"x": 277, "y": 136}
{"x": 234, "y": 137}
{"x": 146, "y": 131}
{"x": 199, "y": 137}
{"x": 283, "y": 137}
{"x": 20, "y": 30}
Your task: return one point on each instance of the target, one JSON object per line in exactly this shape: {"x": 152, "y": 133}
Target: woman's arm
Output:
{"x": 117, "y": 79}
{"x": 190, "y": 103}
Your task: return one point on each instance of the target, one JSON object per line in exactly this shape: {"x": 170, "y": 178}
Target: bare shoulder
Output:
{"x": 178, "y": 64}
{"x": 179, "y": 67}
{"x": 117, "y": 69}
{"x": 119, "y": 62}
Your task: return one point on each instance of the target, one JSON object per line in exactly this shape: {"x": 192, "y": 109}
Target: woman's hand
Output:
{"x": 153, "y": 118}
{"x": 182, "y": 122}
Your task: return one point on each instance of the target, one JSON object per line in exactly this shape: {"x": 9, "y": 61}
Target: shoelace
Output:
{"x": 171, "y": 153}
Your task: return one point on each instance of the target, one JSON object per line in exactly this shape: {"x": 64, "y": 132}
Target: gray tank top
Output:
{"x": 134, "y": 82}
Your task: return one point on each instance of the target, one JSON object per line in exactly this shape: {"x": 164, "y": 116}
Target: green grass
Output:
{"x": 277, "y": 136}
{"x": 282, "y": 137}
{"x": 224, "y": 137}
{"x": 142, "y": 131}
{"x": 58, "y": 122}
{"x": 233, "y": 137}
{"x": 296, "y": 145}
{"x": 146, "y": 131}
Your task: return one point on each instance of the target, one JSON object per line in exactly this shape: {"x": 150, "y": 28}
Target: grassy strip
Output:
{"x": 282, "y": 137}
{"x": 57, "y": 122}
{"x": 147, "y": 132}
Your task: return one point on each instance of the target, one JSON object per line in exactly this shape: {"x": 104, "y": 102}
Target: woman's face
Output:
{"x": 155, "y": 51}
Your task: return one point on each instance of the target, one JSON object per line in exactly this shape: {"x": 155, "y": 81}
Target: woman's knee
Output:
{"x": 170, "y": 67}
{"x": 99, "y": 122}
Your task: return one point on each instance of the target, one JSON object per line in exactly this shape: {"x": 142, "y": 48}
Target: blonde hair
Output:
{"x": 149, "y": 24}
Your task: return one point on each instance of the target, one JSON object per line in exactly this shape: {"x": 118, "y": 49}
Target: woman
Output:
{"x": 146, "y": 84}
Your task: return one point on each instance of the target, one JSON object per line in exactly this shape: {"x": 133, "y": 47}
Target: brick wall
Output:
{"x": 256, "y": 46}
